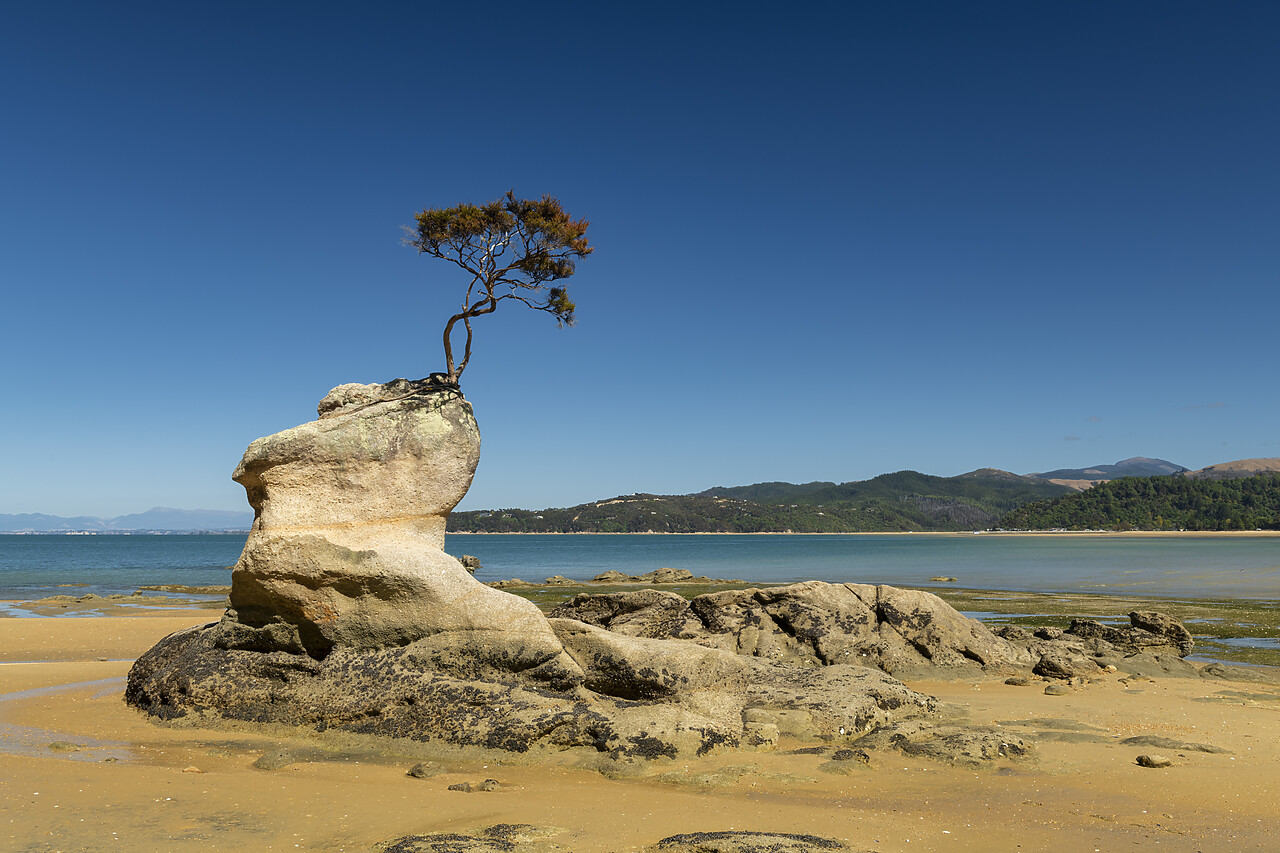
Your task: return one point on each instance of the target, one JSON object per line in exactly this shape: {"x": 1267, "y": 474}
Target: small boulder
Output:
{"x": 64, "y": 746}
{"x": 614, "y": 576}
{"x": 1059, "y": 664}
{"x": 666, "y": 575}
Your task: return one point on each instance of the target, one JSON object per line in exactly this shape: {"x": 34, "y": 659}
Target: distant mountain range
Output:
{"x": 1138, "y": 466}
{"x": 901, "y": 501}
{"x": 156, "y": 520}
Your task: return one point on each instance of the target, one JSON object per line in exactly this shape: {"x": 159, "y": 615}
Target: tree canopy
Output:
{"x": 1159, "y": 503}
{"x": 513, "y": 249}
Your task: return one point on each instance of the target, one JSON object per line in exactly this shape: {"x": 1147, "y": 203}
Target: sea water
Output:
{"x": 39, "y": 565}
{"x": 35, "y": 566}
{"x": 1200, "y": 566}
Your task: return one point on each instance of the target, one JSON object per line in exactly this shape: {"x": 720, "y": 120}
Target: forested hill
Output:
{"x": 987, "y": 488}
{"x": 1159, "y": 503}
{"x": 905, "y": 501}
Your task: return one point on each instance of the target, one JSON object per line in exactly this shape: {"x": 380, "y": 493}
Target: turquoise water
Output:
{"x": 38, "y": 565}
{"x": 1159, "y": 566}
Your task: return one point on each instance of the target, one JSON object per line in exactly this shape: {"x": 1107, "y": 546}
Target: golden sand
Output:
{"x": 114, "y": 780}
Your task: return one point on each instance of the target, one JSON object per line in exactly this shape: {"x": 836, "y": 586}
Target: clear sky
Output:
{"x": 832, "y": 239}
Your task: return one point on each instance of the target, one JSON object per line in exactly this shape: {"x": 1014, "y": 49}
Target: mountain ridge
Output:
{"x": 156, "y": 519}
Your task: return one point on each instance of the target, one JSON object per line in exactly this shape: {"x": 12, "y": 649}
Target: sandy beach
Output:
{"x": 79, "y": 770}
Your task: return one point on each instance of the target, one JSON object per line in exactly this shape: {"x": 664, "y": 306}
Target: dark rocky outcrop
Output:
{"x": 745, "y": 842}
{"x": 523, "y": 838}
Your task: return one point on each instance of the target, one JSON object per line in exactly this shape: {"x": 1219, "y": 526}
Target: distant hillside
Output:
{"x": 1138, "y": 466}
{"x": 1237, "y": 469}
{"x": 986, "y": 488}
{"x": 158, "y": 519}
{"x": 642, "y": 513}
{"x": 1159, "y": 503}
{"x": 905, "y": 501}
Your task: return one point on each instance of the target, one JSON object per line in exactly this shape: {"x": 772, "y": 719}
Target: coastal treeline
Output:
{"x": 1159, "y": 503}
{"x": 899, "y": 502}
{"x": 642, "y": 513}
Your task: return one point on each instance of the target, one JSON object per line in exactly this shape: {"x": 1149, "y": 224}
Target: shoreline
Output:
{"x": 81, "y": 770}
{"x": 1243, "y": 534}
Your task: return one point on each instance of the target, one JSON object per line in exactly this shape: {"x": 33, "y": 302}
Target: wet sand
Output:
{"x": 114, "y": 780}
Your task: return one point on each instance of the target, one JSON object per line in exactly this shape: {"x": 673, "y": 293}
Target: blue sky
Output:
{"x": 832, "y": 239}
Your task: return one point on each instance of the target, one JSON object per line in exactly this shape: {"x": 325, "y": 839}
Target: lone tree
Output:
{"x": 512, "y": 248}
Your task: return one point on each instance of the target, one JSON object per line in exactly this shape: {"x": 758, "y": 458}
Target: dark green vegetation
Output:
{"x": 512, "y": 248}
{"x": 904, "y": 501}
{"x": 1159, "y": 503}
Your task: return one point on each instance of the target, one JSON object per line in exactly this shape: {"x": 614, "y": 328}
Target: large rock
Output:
{"x": 907, "y": 633}
{"x": 345, "y": 613}
{"x": 809, "y": 624}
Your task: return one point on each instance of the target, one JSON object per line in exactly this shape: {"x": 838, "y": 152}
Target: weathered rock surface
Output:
{"x": 809, "y": 624}
{"x": 1152, "y": 644}
{"x": 745, "y": 842}
{"x": 1169, "y": 743}
{"x": 346, "y": 544}
{"x": 902, "y": 632}
{"x": 522, "y": 838}
{"x": 951, "y": 743}
{"x": 346, "y": 614}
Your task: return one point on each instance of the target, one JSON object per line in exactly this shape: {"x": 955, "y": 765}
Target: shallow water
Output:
{"x": 37, "y": 566}
{"x": 37, "y": 742}
{"x": 1199, "y": 566}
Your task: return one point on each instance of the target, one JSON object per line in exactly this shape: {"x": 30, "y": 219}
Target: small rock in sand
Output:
{"x": 275, "y": 759}
{"x": 1154, "y": 761}
{"x": 425, "y": 770}
{"x": 64, "y": 746}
